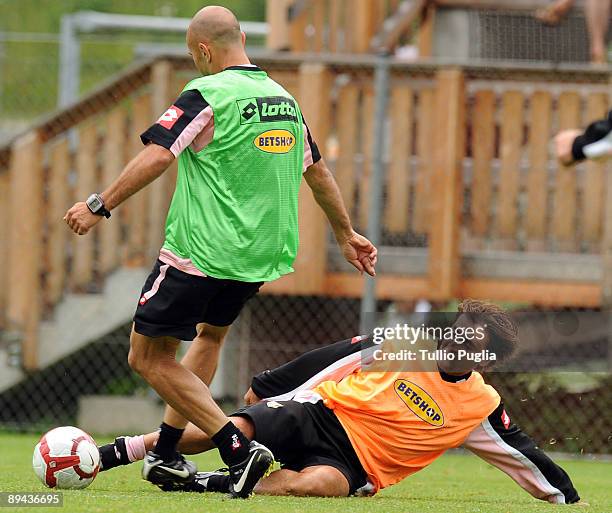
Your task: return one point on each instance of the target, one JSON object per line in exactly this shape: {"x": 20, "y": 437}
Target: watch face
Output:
{"x": 94, "y": 204}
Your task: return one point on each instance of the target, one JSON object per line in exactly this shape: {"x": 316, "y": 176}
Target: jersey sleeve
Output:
{"x": 311, "y": 150}
{"x": 595, "y": 142}
{"x": 188, "y": 121}
{"x": 502, "y": 444}
{"x": 332, "y": 362}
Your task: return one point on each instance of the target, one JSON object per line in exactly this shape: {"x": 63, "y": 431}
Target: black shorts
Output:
{"x": 303, "y": 435}
{"x": 172, "y": 302}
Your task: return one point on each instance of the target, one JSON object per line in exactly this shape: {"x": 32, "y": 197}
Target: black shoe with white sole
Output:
{"x": 215, "y": 481}
{"x": 245, "y": 475}
{"x": 169, "y": 476}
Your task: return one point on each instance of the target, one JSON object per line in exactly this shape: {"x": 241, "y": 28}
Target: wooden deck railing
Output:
{"x": 475, "y": 205}
{"x": 368, "y": 26}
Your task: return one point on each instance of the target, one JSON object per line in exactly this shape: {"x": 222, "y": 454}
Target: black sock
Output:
{"x": 168, "y": 439}
{"x": 233, "y": 445}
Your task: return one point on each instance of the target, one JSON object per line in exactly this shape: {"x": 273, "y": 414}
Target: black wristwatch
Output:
{"x": 96, "y": 205}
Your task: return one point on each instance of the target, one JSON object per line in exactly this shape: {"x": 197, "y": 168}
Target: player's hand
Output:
{"x": 250, "y": 397}
{"x": 563, "y": 146}
{"x": 80, "y": 219}
{"x": 360, "y": 253}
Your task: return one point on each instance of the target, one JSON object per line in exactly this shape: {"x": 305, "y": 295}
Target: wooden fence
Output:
{"x": 468, "y": 173}
{"x": 362, "y": 26}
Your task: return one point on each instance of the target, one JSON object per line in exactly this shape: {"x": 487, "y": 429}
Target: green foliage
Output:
{"x": 29, "y": 67}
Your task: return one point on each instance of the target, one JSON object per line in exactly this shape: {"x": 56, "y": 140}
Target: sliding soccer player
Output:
{"x": 338, "y": 428}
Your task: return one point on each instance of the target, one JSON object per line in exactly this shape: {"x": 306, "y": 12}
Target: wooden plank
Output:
{"x": 367, "y": 138}
{"x": 4, "y": 242}
{"x": 113, "y": 161}
{"x": 158, "y": 192}
{"x": 26, "y": 244}
{"x": 82, "y": 271}
{"x": 511, "y": 147}
{"x": 288, "y": 79}
{"x": 59, "y": 233}
{"x": 447, "y": 182}
{"x": 347, "y": 143}
{"x": 398, "y": 26}
{"x": 564, "y": 213}
{"x": 540, "y": 293}
{"x": 297, "y": 30}
{"x": 592, "y": 210}
{"x": 503, "y": 5}
{"x": 278, "y": 23}
{"x": 425, "y": 133}
{"x": 398, "y": 176}
{"x": 363, "y": 23}
{"x": 314, "y": 98}
{"x": 335, "y": 10}
{"x": 537, "y": 178}
{"x": 318, "y": 23}
{"x": 138, "y": 205}
{"x": 406, "y": 288}
{"x": 483, "y": 152}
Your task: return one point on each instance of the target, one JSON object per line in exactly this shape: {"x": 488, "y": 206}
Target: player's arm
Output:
{"x": 502, "y": 444}
{"x": 357, "y": 250}
{"x": 332, "y": 362}
{"x": 188, "y": 119}
{"x": 594, "y": 143}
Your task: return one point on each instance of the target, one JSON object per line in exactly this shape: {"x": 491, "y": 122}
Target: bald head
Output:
{"x": 214, "y": 25}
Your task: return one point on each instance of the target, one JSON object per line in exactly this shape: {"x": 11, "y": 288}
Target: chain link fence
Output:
{"x": 524, "y": 221}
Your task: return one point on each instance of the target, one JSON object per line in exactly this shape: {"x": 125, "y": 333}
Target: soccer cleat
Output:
{"x": 215, "y": 481}
{"x": 244, "y": 476}
{"x": 113, "y": 455}
{"x": 169, "y": 476}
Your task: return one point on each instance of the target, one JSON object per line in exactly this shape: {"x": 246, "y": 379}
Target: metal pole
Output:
{"x": 70, "y": 62}
{"x": 381, "y": 90}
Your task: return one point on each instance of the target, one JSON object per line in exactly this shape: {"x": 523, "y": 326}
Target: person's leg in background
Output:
{"x": 202, "y": 359}
{"x": 553, "y": 14}
{"x": 598, "y": 18}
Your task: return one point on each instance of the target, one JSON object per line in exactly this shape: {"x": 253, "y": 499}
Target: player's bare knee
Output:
{"x": 318, "y": 484}
{"x": 212, "y": 334}
{"x": 135, "y": 360}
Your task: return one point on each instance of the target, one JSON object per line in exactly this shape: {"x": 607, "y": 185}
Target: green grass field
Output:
{"x": 455, "y": 483}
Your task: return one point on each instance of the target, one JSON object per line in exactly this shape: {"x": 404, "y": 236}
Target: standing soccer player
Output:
{"x": 242, "y": 146}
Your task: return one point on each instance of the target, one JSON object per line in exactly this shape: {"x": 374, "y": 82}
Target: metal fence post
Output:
{"x": 381, "y": 92}
{"x": 69, "y": 62}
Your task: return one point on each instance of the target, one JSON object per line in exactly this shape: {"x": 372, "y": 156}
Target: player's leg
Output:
{"x": 317, "y": 481}
{"x": 129, "y": 449}
{"x": 553, "y": 14}
{"x": 201, "y": 358}
{"x": 171, "y": 305}
{"x": 597, "y": 17}
{"x": 154, "y": 359}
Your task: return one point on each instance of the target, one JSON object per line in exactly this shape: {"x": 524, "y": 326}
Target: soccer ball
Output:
{"x": 66, "y": 457}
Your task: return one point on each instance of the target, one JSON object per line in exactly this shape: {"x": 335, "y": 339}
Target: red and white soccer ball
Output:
{"x": 67, "y": 458}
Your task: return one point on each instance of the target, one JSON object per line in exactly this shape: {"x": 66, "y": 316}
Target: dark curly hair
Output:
{"x": 502, "y": 329}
